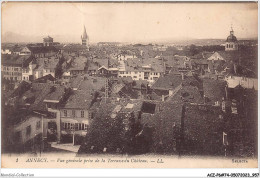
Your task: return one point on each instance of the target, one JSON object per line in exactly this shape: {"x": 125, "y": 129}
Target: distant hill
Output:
{"x": 10, "y": 37}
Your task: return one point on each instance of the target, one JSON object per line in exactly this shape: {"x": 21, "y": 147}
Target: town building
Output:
{"x": 45, "y": 66}
{"x": 231, "y": 42}
{"x": 246, "y": 82}
{"x": 39, "y": 51}
{"x": 149, "y": 69}
{"x": 14, "y": 66}
{"x": 48, "y": 41}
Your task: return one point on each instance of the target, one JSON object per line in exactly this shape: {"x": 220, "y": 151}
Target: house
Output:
{"x": 27, "y": 72}
{"x": 203, "y": 130}
{"x": 246, "y": 82}
{"x": 86, "y": 82}
{"x": 183, "y": 88}
{"x": 76, "y": 111}
{"x": 45, "y": 66}
{"x": 165, "y": 125}
{"x": 216, "y": 57}
{"x": 78, "y": 65}
{"x": 214, "y": 91}
{"x": 26, "y": 135}
{"x": 123, "y": 57}
{"x": 37, "y": 106}
{"x": 160, "y": 48}
{"x": 75, "y": 114}
{"x": 98, "y": 66}
{"x": 39, "y": 51}
{"x": 48, "y": 41}
{"x": 45, "y": 79}
{"x": 13, "y": 67}
{"x": 6, "y": 50}
{"x": 141, "y": 69}
{"x": 74, "y": 48}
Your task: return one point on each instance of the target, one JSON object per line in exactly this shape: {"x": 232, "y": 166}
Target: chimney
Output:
{"x": 205, "y": 99}
{"x": 182, "y": 76}
{"x": 223, "y": 105}
{"x": 170, "y": 92}
{"x": 226, "y": 91}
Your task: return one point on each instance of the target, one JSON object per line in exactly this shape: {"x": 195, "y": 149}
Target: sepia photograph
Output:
{"x": 129, "y": 85}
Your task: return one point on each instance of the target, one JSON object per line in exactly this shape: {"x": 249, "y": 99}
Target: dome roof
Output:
{"x": 231, "y": 37}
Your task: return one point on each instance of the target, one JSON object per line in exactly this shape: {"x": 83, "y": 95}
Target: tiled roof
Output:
{"x": 167, "y": 82}
{"x": 79, "y": 99}
{"x": 56, "y": 93}
{"x": 44, "y": 79}
{"x": 86, "y": 82}
{"x": 137, "y": 64}
{"x": 16, "y": 60}
{"x": 101, "y": 62}
{"x": 47, "y": 63}
{"x": 74, "y": 47}
{"x": 22, "y": 88}
{"x": 42, "y": 49}
{"x": 203, "y": 124}
{"x": 38, "y": 91}
{"x": 214, "y": 90}
{"x": 78, "y": 63}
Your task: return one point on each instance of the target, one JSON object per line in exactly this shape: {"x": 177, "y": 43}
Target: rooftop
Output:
{"x": 16, "y": 60}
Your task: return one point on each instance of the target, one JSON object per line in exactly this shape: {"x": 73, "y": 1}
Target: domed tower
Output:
{"x": 231, "y": 42}
{"x": 85, "y": 38}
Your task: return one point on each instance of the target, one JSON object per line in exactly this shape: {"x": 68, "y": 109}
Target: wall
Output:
{"x": 245, "y": 82}
{"x": 32, "y": 121}
{"x": 74, "y": 120}
{"x": 11, "y": 72}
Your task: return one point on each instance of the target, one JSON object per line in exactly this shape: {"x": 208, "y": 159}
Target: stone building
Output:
{"x": 231, "y": 42}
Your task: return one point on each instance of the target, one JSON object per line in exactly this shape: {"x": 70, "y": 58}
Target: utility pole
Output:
{"x": 42, "y": 142}
{"x": 106, "y": 90}
{"x": 73, "y": 131}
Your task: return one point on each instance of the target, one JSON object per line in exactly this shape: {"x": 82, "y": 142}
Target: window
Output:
{"x": 73, "y": 113}
{"x": 89, "y": 115}
{"x": 28, "y": 130}
{"x": 79, "y": 125}
{"x": 65, "y": 125}
{"x": 136, "y": 72}
{"x": 82, "y": 114}
{"x": 65, "y": 113}
{"x": 38, "y": 125}
{"x": 71, "y": 126}
{"x": 86, "y": 127}
{"x": 76, "y": 126}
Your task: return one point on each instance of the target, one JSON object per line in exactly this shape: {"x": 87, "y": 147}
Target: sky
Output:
{"x": 129, "y": 22}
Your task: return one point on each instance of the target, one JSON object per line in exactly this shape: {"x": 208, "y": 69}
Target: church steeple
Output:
{"x": 85, "y": 38}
